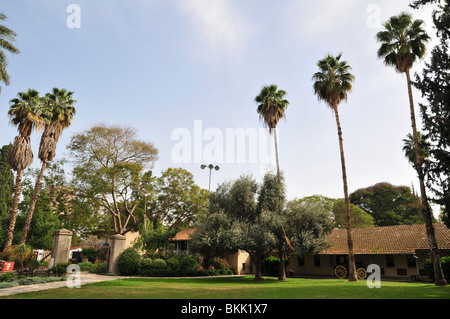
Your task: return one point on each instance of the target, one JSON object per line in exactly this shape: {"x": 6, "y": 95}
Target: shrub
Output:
{"x": 129, "y": 262}
{"x": 20, "y": 254}
{"x": 6, "y": 276}
{"x": 29, "y": 281}
{"x": 217, "y": 264}
{"x": 158, "y": 263}
{"x": 60, "y": 269}
{"x": 100, "y": 268}
{"x": 271, "y": 265}
{"x": 86, "y": 266}
{"x": 146, "y": 263}
{"x": 173, "y": 263}
{"x": 189, "y": 263}
{"x": 445, "y": 264}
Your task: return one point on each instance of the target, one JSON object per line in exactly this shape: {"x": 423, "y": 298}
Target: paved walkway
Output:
{"x": 86, "y": 278}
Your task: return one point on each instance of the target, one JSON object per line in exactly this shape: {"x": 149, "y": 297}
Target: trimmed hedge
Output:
{"x": 168, "y": 265}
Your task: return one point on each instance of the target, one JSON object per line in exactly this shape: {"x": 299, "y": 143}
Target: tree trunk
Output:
{"x": 282, "y": 268}
{"x": 351, "y": 257}
{"x": 426, "y": 209}
{"x": 15, "y": 205}
{"x": 34, "y": 199}
{"x": 257, "y": 258}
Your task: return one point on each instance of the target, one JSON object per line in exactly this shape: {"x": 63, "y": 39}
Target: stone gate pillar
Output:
{"x": 62, "y": 239}
{"x": 116, "y": 246}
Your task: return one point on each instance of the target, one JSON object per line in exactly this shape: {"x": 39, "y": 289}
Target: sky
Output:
{"x": 184, "y": 74}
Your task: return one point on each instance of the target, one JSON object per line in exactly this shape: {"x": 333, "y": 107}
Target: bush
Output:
{"x": 158, "y": 263}
{"x": 445, "y": 264}
{"x": 100, "y": 268}
{"x": 189, "y": 263}
{"x": 6, "y": 276}
{"x": 129, "y": 262}
{"x": 20, "y": 254}
{"x": 271, "y": 265}
{"x": 60, "y": 269}
{"x": 86, "y": 266}
{"x": 29, "y": 281}
{"x": 173, "y": 263}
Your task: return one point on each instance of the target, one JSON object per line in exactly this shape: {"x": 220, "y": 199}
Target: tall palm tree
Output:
{"x": 7, "y": 37}
{"x": 24, "y": 112}
{"x": 58, "y": 112}
{"x": 271, "y": 109}
{"x": 403, "y": 42}
{"x": 331, "y": 85}
{"x": 409, "y": 147}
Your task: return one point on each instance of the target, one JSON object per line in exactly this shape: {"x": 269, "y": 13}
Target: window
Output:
{"x": 390, "y": 261}
{"x": 316, "y": 261}
{"x": 301, "y": 260}
{"x": 243, "y": 266}
{"x": 411, "y": 261}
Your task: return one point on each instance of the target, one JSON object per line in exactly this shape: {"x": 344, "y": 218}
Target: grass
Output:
{"x": 240, "y": 288}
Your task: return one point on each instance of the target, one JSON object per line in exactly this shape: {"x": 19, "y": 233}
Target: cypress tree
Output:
{"x": 434, "y": 84}
{"x": 6, "y": 190}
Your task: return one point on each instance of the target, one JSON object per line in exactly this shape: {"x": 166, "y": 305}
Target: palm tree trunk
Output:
{"x": 282, "y": 268}
{"x": 351, "y": 257}
{"x": 276, "y": 152}
{"x": 426, "y": 210}
{"x": 34, "y": 199}
{"x": 15, "y": 206}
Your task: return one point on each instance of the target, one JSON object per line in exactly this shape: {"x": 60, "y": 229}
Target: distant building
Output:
{"x": 400, "y": 251}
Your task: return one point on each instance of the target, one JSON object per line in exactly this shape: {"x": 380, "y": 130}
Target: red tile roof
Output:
{"x": 184, "y": 234}
{"x": 403, "y": 239}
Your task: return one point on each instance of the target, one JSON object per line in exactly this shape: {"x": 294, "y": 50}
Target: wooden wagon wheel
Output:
{"x": 361, "y": 273}
{"x": 340, "y": 272}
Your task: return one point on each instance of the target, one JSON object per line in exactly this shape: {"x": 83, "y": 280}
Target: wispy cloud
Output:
{"x": 319, "y": 17}
{"x": 218, "y": 25}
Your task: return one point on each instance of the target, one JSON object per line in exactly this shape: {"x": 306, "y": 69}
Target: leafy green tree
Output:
{"x": 109, "y": 163}
{"x": 388, "y": 204}
{"x": 57, "y": 114}
{"x": 359, "y": 217}
{"x": 403, "y": 42}
{"x": 7, "y": 38}
{"x": 331, "y": 85}
{"x": 25, "y": 113}
{"x": 419, "y": 3}
{"x": 309, "y": 222}
{"x": 45, "y": 221}
{"x": 174, "y": 200}
{"x": 272, "y": 198}
{"x": 154, "y": 237}
{"x": 234, "y": 222}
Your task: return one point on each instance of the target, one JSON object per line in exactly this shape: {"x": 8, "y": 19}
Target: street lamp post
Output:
{"x": 210, "y": 166}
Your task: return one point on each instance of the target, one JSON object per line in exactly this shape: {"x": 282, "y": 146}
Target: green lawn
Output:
{"x": 241, "y": 288}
